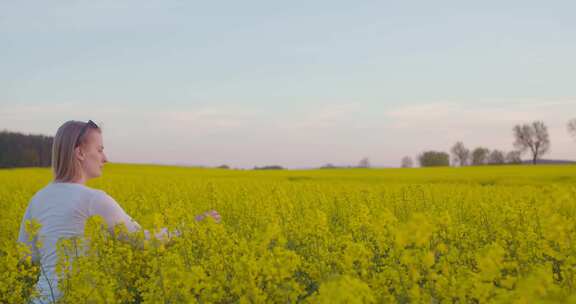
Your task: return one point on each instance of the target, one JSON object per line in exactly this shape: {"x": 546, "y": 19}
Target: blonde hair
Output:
{"x": 69, "y": 136}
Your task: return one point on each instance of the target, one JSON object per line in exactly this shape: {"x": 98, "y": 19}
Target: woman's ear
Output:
{"x": 78, "y": 153}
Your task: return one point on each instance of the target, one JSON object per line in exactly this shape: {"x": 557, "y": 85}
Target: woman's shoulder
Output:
{"x": 69, "y": 187}
{"x": 101, "y": 196}
{"x": 80, "y": 189}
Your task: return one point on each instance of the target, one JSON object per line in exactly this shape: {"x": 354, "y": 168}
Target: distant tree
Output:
{"x": 533, "y": 138}
{"x": 364, "y": 163}
{"x": 328, "y": 166}
{"x": 480, "y": 156}
{"x": 514, "y": 157}
{"x": 572, "y": 127}
{"x": 496, "y": 157}
{"x": 22, "y": 150}
{"x": 434, "y": 159}
{"x": 460, "y": 154}
{"x": 273, "y": 167}
{"x": 30, "y": 156}
{"x": 407, "y": 162}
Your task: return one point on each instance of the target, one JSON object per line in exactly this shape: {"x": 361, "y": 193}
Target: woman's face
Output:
{"x": 91, "y": 155}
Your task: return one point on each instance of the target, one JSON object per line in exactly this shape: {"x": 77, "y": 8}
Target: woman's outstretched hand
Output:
{"x": 212, "y": 213}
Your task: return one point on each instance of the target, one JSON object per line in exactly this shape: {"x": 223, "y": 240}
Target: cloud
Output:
{"x": 450, "y": 115}
{"x": 212, "y": 117}
{"x": 324, "y": 117}
{"x": 22, "y": 116}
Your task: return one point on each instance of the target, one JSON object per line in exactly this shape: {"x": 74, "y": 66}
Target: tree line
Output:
{"x": 28, "y": 150}
{"x": 23, "y": 150}
{"x": 531, "y": 138}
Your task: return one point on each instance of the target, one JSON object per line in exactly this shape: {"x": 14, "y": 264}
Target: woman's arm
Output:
{"x": 106, "y": 207}
{"x": 28, "y": 235}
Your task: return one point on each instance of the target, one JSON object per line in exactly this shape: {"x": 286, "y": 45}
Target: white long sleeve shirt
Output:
{"x": 62, "y": 210}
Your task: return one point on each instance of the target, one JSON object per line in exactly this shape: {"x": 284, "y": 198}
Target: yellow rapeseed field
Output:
{"x": 450, "y": 235}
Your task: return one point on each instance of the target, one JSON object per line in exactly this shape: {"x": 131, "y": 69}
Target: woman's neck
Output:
{"x": 78, "y": 179}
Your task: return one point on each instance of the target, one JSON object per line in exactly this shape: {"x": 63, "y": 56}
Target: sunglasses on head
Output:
{"x": 89, "y": 125}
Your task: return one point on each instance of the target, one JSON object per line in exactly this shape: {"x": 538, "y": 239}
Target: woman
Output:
{"x": 64, "y": 205}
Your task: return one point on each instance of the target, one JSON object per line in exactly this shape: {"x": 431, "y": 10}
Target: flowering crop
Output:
{"x": 459, "y": 235}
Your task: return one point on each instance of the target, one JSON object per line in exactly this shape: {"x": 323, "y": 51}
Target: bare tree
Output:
{"x": 407, "y": 162}
{"x": 513, "y": 157}
{"x": 364, "y": 163}
{"x": 496, "y": 157}
{"x": 572, "y": 127}
{"x": 532, "y": 137}
{"x": 480, "y": 156}
{"x": 460, "y": 154}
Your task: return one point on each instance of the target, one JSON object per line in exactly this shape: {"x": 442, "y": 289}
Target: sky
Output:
{"x": 295, "y": 83}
